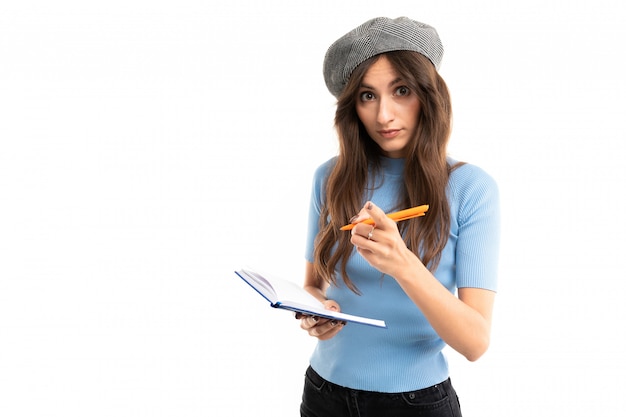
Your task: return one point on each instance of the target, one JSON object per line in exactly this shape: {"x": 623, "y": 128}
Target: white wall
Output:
{"x": 148, "y": 149}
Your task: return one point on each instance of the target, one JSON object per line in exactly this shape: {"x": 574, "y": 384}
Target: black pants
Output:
{"x": 325, "y": 399}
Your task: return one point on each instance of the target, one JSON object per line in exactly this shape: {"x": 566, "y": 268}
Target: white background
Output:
{"x": 149, "y": 148}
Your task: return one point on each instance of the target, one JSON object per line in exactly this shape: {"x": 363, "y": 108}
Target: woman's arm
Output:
{"x": 319, "y": 327}
{"x": 464, "y": 323}
{"x": 313, "y": 283}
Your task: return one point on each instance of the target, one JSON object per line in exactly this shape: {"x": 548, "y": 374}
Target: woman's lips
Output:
{"x": 389, "y": 133}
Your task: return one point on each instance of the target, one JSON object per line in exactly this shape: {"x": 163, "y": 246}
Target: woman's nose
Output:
{"x": 385, "y": 111}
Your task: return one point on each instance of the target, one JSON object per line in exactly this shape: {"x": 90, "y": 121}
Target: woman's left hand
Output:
{"x": 381, "y": 245}
{"x": 464, "y": 323}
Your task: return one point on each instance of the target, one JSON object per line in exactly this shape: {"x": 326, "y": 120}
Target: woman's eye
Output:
{"x": 366, "y": 96}
{"x": 403, "y": 91}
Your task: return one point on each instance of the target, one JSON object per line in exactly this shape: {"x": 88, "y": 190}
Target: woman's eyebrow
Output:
{"x": 392, "y": 83}
{"x": 396, "y": 81}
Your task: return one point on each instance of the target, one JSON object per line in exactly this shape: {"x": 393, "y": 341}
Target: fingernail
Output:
{"x": 369, "y": 205}
{"x": 353, "y": 218}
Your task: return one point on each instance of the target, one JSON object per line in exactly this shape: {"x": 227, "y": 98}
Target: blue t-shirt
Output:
{"x": 407, "y": 355}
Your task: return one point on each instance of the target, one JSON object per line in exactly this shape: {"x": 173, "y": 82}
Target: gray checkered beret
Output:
{"x": 374, "y": 37}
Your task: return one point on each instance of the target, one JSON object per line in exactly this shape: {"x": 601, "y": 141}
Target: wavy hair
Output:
{"x": 426, "y": 169}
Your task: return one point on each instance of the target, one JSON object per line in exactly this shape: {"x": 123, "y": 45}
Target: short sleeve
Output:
{"x": 477, "y": 206}
{"x": 315, "y": 206}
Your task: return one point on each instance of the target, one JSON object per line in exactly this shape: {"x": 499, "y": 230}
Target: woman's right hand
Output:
{"x": 319, "y": 327}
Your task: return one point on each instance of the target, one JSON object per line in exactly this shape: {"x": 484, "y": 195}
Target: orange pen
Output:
{"x": 398, "y": 216}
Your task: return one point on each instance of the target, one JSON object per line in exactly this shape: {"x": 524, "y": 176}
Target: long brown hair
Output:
{"x": 426, "y": 170}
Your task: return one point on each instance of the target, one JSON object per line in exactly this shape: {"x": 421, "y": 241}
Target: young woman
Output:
{"x": 432, "y": 278}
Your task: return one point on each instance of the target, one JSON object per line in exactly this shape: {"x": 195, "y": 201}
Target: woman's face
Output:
{"x": 387, "y": 108}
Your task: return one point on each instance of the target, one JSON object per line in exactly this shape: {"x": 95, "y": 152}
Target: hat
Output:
{"x": 374, "y": 37}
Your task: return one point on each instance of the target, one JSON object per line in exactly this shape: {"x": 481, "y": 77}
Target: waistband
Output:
{"x": 445, "y": 386}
